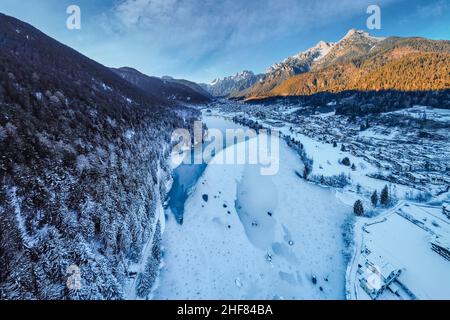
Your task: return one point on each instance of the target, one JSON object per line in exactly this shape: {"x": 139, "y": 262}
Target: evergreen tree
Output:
{"x": 374, "y": 198}
{"x": 358, "y": 208}
{"x": 358, "y": 188}
{"x": 306, "y": 172}
{"x": 346, "y": 161}
{"x": 322, "y": 179}
{"x": 384, "y": 197}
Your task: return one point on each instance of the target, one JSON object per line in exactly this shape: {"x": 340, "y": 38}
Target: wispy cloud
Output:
{"x": 204, "y": 39}
{"x": 433, "y": 9}
{"x": 201, "y": 27}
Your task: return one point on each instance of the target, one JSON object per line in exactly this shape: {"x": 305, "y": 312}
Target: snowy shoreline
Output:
{"x": 270, "y": 250}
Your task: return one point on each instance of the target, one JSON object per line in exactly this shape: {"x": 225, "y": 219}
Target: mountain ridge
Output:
{"x": 230, "y": 85}
{"x": 171, "y": 89}
{"x": 344, "y": 64}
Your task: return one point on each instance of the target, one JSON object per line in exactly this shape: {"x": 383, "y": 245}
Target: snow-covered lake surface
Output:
{"x": 185, "y": 176}
{"x": 247, "y": 236}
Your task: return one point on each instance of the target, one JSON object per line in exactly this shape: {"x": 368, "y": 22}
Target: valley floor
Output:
{"x": 256, "y": 237}
{"x": 247, "y": 236}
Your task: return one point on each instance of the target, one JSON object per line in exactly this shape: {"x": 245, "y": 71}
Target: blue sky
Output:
{"x": 204, "y": 39}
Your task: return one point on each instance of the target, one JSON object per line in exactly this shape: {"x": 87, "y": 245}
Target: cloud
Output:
{"x": 211, "y": 24}
{"x": 435, "y": 9}
{"x": 193, "y": 36}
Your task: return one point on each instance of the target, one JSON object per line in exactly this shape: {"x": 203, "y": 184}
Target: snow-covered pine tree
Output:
{"x": 358, "y": 208}
{"x": 346, "y": 161}
{"x": 384, "y": 196}
{"x": 374, "y": 198}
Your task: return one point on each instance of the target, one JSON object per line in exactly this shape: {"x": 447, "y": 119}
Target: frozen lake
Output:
{"x": 186, "y": 176}
{"x": 254, "y": 237}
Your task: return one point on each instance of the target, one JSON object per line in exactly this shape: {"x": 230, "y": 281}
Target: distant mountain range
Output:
{"x": 231, "y": 85}
{"x": 358, "y": 61}
{"x": 167, "y": 87}
{"x": 291, "y": 66}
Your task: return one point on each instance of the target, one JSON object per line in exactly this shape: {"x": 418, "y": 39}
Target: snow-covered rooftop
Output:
{"x": 402, "y": 238}
{"x": 442, "y": 241}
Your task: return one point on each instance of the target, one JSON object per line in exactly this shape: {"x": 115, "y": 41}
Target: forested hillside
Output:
{"x": 83, "y": 158}
{"x": 412, "y": 72}
{"x": 170, "y": 89}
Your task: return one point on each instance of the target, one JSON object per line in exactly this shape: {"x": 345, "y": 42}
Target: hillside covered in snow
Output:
{"x": 83, "y": 169}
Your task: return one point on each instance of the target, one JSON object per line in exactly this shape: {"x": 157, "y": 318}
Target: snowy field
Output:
{"x": 419, "y": 112}
{"x": 402, "y": 238}
{"x": 247, "y": 236}
{"x": 327, "y": 162}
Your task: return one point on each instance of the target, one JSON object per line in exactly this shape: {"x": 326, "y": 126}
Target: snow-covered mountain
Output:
{"x": 354, "y": 43}
{"x": 246, "y": 83}
{"x": 358, "y": 61}
{"x": 323, "y": 52}
{"x": 278, "y": 72}
{"x": 302, "y": 61}
{"x": 232, "y": 84}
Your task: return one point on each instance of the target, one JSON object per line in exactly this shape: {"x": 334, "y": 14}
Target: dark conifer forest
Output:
{"x": 82, "y": 164}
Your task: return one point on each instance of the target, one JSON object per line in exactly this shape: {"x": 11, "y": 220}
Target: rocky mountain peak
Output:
{"x": 359, "y": 35}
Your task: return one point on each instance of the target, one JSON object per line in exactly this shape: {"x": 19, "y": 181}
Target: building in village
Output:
{"x": 441, "y": 245}
{"x": 376, "y": 275}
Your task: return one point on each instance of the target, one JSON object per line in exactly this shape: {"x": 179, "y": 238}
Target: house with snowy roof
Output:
{"x": 446, "y": 209}
{"x": 378, "y": 275}
{"x": 441, "y": 245}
